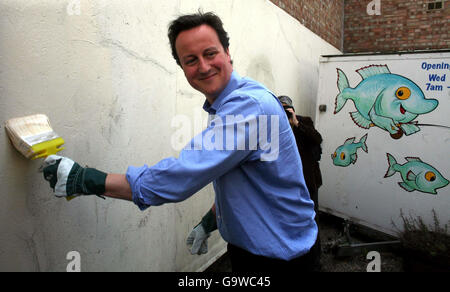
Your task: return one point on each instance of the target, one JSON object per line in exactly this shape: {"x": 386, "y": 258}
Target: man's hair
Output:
{"x": 285, "y": 99}
{"x": 186, "y": 22}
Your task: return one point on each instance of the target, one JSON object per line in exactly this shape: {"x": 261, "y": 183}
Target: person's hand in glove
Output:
{"x": 198, "y": 238}
{"x": 67, "y": 178}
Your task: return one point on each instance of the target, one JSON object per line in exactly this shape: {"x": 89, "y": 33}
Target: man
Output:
{"x": 308, "y": 143}
{"x": 261, "y": 209}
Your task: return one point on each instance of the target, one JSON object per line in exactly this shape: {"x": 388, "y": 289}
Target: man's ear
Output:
{"x": 227, "y": 51}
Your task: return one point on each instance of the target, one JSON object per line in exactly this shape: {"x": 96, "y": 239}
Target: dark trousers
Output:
{"x": 244, "y": 261}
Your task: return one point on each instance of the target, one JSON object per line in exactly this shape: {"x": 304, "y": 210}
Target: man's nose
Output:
{"x": 203, "y": 66}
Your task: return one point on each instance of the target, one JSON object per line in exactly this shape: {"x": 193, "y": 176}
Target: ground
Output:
{"x": 332, "y": 235}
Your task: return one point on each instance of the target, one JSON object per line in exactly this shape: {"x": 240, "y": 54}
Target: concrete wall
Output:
{"x": 323, "y": 17}
{"x": 103, "y": 73}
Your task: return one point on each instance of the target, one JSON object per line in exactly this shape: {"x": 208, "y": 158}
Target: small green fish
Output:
{"x": 416, "y": 175}
{"x": 346, "y": 154}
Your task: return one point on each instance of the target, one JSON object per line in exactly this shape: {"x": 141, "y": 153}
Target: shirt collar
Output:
{"x": 231, "y": 86}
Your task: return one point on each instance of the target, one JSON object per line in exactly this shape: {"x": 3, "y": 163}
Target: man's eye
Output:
{"x": 211, "y": 54}
{"x": 190, "y": 61}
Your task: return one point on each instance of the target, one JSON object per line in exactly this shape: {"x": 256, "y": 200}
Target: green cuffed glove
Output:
{"x": 68, "y": 179}
{"x": 198, "y": 238}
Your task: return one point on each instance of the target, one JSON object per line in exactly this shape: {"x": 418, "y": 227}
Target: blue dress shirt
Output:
{"x": 250, "y": 154}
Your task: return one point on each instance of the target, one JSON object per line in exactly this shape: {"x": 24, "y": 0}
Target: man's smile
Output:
{"x": 208, "y": 77}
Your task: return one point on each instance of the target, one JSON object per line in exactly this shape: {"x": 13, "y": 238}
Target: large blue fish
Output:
{"x": 388, "y": 101}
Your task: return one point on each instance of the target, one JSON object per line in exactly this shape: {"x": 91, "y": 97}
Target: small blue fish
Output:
{"x": 388, "y": 101}
{"x": 346, "y": 154}
{"x": 416, "y": 175}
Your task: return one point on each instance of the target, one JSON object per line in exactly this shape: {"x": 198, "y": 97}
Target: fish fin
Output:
{"x": 360, "y": 120}
{"x": 409, "y": 129}
{"x": 339, "y": 103}
{"x": 405, "y": 187}
{"x": 411, "y": 176}
{"x": 349, "y": 141}
{"x": 373, "y": 70}
{"x": 410, "y": 159}
{"x": 391, "y": 162}
{"x": 363, "y": 143}
{"x": 342, "y": 83}
{"x": 354, "y": 157}
{"x": 383, "y": 122}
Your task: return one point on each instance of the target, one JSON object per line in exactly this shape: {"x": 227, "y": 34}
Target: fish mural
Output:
{"x": 346, "y": 153}
{"x": 389, "y": 101}
{"x": 416, "y": 175}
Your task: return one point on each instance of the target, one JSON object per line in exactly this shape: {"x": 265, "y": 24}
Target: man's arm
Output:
{"x": 117, "y": 187}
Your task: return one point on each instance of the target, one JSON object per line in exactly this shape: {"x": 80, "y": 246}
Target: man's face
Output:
{"x": 206, "y": 64}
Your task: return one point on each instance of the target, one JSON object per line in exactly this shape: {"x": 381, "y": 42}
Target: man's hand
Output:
{"x": 68, "y": 178}
{"x": 198, "y": 240}
{"x": 293, "y": 118}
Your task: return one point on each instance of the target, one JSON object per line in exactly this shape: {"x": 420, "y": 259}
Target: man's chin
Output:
{"x": 209, "y": 92}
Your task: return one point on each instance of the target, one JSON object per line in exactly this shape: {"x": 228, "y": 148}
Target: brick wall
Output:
{"x": 404, "y": 25}
{"x": 323, "y": 17}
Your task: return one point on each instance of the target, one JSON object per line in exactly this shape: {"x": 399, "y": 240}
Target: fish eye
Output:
{"x": 342, "y": 155}
{"x": 403, "y": 93}
{"x": 334, "y": 155}
{"x": 430, "y": 176}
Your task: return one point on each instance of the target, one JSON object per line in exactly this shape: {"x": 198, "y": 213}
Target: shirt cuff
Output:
{"x": 133, "y": 176}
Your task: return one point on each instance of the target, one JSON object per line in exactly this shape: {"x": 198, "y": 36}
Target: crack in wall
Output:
{"x": 287, "y": 39}
{"x": 111, "y": 43}
{"x": 132, "y": 54}
{"x": 32, "y": 249}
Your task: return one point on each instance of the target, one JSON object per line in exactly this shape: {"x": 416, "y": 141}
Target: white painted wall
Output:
{"x": 105, "y": 76}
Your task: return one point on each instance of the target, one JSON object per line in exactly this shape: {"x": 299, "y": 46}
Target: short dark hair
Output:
{"x": 285, "y": 99}
{"x": 186, "y": 22}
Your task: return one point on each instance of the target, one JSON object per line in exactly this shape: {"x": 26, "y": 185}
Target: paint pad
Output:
{"x": 33, "y": 136}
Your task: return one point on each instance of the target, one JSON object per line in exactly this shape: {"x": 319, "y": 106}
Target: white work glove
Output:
{"x": 68, "y": 179}
{"x": 56, "y": 171}
{"x": 198, "y": 240}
